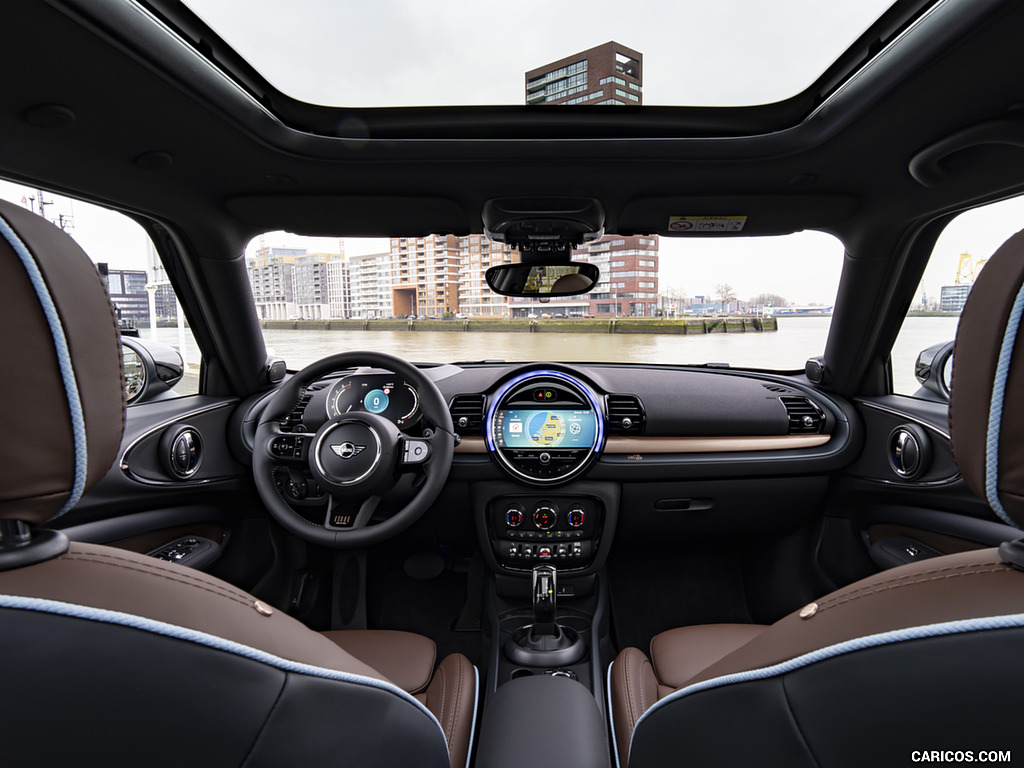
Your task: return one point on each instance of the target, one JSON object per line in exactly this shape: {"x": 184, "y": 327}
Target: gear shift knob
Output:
{"x": 545, "y": 587}
{"x": 545, "y": 643}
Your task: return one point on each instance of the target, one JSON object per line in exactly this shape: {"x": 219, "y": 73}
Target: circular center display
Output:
{"x": 545, "y": 427}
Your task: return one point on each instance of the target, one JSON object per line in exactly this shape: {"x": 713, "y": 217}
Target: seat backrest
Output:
{"x": 113, "y": 658}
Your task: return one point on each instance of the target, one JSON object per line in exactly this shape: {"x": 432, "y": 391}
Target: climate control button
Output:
{"x": 576, "y": 516}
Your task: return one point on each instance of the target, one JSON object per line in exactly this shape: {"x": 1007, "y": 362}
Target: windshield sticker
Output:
{"x": 706, "y": 223}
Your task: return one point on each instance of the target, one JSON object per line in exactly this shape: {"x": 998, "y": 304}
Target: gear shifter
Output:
{"x": 545, "y": 642}
{"x": 545, "y": 588}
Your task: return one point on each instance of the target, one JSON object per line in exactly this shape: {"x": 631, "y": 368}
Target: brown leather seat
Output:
{"x": 136, "y": 661}
{"x": 920, "y": 657}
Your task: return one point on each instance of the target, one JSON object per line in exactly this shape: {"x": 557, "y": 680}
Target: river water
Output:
{"x": 797, "y": 339}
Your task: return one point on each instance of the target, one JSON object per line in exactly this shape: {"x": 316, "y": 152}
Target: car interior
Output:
{"x": 393, "y": 560}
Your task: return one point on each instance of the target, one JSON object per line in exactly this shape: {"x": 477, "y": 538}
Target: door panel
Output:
{"x": 147, "y": 501}
{"x": 879, "y": 517}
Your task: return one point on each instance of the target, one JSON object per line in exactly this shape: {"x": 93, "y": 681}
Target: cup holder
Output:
{"x": 521, "y": 672}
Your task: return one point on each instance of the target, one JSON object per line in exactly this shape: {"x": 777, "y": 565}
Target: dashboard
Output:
{"x": 553, "y": 461}
{"x": 544, "y": 425}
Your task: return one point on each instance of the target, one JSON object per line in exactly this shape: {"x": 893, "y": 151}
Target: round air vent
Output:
{"x": 181, "y": 450}
{"x": 910, "y": 452}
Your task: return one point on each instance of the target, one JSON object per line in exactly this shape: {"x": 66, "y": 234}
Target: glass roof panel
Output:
{"x": 391, "y": 53}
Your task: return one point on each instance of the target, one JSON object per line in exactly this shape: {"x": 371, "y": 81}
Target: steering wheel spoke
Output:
{"x": 348, "y": 514}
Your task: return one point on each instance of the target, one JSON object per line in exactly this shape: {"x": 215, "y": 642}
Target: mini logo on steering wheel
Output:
{"x": 347, "y": 450}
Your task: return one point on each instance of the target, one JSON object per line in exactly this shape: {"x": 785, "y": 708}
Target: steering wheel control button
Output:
{"x": 287, "y": 446}
{"x": 415, "y": 451}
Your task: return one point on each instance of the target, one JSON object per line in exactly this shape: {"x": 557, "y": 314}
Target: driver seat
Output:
{"x": 111, "y": 657}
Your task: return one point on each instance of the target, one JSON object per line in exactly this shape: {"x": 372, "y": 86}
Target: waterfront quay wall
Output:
{"x": 675, "y": 326}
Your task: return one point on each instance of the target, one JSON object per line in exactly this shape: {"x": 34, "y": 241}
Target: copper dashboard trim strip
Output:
{"x": 620, "y": 445}
{"x": 471, "y": 445}
{"x": 712, "y": 444}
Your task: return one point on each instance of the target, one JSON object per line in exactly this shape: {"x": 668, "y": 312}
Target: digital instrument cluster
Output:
{"x": 386, "y": 395}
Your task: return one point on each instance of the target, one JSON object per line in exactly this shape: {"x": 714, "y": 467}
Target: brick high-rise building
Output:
{"x": 608, "y": 74}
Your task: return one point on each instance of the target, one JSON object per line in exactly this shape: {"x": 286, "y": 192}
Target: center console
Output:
{"x": 545, "y": 607}
{"x": 545, "y": 535}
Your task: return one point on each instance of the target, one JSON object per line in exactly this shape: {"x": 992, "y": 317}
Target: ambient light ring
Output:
{"x": 545, "y": 375}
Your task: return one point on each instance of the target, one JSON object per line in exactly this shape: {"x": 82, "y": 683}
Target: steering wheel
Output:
{"x": 355, "y": 458}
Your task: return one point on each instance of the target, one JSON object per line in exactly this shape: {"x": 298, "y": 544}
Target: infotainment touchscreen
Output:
{"x": 541, "y": 428}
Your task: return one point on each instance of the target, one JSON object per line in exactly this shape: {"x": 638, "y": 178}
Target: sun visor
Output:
{"x": 363, "y": 216}
{"x": 733, "y": 216}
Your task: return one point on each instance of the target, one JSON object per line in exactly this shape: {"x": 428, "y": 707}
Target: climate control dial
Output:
{"x": 545, "y": 517}
{"x": 514, "y": 516}
{"x": 576, "y": 516}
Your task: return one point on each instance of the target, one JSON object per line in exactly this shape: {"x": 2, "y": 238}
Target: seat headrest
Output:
{"x": 62, "y": 395}
{"x": 986, "y": 408}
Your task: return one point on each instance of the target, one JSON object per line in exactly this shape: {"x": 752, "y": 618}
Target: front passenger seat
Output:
{"x": 923, "y": 659}
{"x": 113, "y": 658}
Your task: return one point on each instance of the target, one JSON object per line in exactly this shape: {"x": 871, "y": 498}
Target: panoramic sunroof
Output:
{"x": 392, "y": 53}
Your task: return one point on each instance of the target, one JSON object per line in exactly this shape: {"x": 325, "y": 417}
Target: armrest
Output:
{"x": 544, "y": 722}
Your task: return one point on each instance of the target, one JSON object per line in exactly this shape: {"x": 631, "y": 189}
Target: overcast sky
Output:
{"x": 392, "y": 52}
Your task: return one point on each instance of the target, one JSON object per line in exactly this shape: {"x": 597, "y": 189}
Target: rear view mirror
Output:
{"x": 543, "y": 280}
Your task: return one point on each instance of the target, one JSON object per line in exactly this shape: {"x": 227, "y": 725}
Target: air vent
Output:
{"x": 805, "y": 418}
{"x": 181, "y": 451}
{"x": 625, "y": 415}
{"x": 293, "y": 421}
{"x": 468, "y": 414}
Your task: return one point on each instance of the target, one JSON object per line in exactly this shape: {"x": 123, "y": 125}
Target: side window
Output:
{"x": 921, "y": 359}
{"x": 161, "y": 358}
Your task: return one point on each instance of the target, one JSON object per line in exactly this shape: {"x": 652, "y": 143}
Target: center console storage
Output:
{"x": 545, "y": 721}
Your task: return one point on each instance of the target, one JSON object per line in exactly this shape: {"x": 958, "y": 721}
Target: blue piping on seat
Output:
{"x": 995, "y": 412}
{"x": 67, "y": 372}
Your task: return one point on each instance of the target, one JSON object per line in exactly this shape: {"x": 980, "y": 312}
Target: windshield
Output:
{"x": 757, "y": 302}
{"x": 459, "y": 52}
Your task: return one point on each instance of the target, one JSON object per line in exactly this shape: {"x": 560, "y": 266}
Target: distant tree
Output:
{"x": 725, "y": 293}
{"x": 769, "y": 299}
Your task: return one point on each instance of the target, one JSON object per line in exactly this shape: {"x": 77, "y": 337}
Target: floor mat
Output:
{"x": 655, "y": 588}
{"x": 428, "y": 606}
